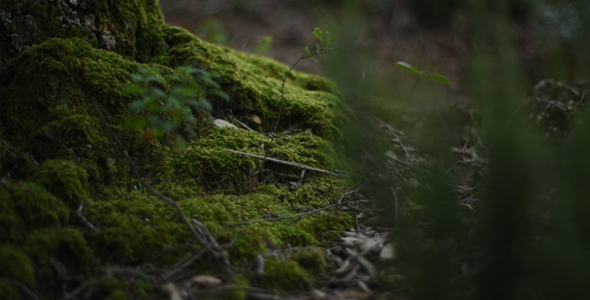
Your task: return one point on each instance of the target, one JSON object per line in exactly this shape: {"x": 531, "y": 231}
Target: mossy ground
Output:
{"x": 63, "y": 111}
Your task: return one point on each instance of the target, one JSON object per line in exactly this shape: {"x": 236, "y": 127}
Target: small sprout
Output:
{"x": 318, "y": 33}
{"x": 307, "y": 51}
{"x": 439, "y": 78}
{"x": 329, "y": 39}
{"x": 433, "y": 76}
{"x": 408, "y": 68}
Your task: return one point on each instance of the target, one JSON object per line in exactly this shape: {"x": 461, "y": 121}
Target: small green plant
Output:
{"x": 323, "y": 41}
{"x": 160, "y": 113}
{"x": 420, "y": 74}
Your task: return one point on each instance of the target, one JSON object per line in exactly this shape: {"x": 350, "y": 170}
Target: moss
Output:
{"x": 132, "y": 29}
{"x": 48, "y": 106}
{"x": 253, "y": 84}
{"x": 16, "y": 266}
{"x": 113, "y": 289}
{"x": 65, "y": 180}
{"x": 8, "y": 291}
{"x": 12, "y": 226}
{"x": 54, "y": 98}
{"x": 209, "y": 165}
{"x": 64, "y": 245}
{"x": 283, "y": 275}
{"x": 313, "y": 260}
{"x": 37, "y": 207}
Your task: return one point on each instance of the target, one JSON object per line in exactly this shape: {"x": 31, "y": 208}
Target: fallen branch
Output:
{"x": 22, "y": 287}
{"x": 84, "y": 219}
{"x": 284, "y": 162}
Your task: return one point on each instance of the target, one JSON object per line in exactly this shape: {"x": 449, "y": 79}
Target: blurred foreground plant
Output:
{"x": 483, "y": 205}
{"x": 160, "y": 113}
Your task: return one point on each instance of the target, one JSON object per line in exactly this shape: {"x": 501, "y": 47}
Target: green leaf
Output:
{"x": 135, "y": 122}
{"x": 206, "y": 105}
{"x": 132, "y": 89}
{"x": 318, "y": 33}
{"x": 136, "y": 106}
{"x": 408, "y": 68}
{"x": 308, "y": 52}
{"x": 221, "y": 94}
{"x": 439, "y": 78}
{"x": 180, "y": 142}
{"x": 329, "y": 39}
{"x": 318, "y": 49}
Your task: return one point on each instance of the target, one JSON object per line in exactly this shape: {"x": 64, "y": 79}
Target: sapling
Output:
{"x": 323, "y": 41}
{"x": 420, "y": 74}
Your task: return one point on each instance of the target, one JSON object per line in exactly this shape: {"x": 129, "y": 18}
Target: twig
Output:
{"x": 311, "y": 212}
{"x": 283, "y": 97}
{"x": 84, "y": 219}
{"x": 133, "y": 272}
{"x": 392, "y": 131}
{"x": 347, "y": 194}
{"x": 183, "y": 265}
{"x": 407, "y": 165}
{"x": 293, "y": 164}
{"x": 301, "y": 177}
{"x": 281, "y": 174}
{"x": 396, "y": 209}
{"x": 244, "y": 125}
{"x": 373, "y": 245}
{"x": 21, "y": 286}
{"x": 74, "y": 292}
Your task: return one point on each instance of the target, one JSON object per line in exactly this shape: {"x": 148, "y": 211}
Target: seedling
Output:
{"x": 420, "y": 74}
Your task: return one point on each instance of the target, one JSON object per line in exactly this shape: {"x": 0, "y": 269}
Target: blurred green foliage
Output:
{"x": 168, "y": 101}
{"x": 526, "y": 234}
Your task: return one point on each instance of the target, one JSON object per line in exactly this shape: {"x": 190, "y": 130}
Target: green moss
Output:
{"x": 313, "y": 260}
{"x": 283, "y": 275}
{"x": 132, "y": 29}
{"x": 134, "y": 227}
{"x": 49, "y": 108}
{"x": 12, "y": 226}
{"x": 253, "y": 84}
{"x": 57, "y": 97}
{"x": 113, "y": 289}
{"x": 65, "y": 180}
{"x": 8, "y": 291}
{"x": 208, "y": 164}
{"x": 16, "y": 266}
{"x": 37, "y": 207}
{"x": 64, "y": 245}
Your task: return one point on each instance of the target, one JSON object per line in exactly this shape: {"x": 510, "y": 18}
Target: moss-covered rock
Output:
{"x": 65, "y": 180}
{"x": 16, "y": 266}
{"x": 63, "y": 68}
{"x": 283, "y": 275}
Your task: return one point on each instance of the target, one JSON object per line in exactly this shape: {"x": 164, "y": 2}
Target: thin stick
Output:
{"x": 284, "y": 162}
{"x": 21, "y": 286}
{"x": 272, "y": 138}
{"x": 392, "y": 131}
{"x": 84, "y": 219}
{"x": 183, "y": 265}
